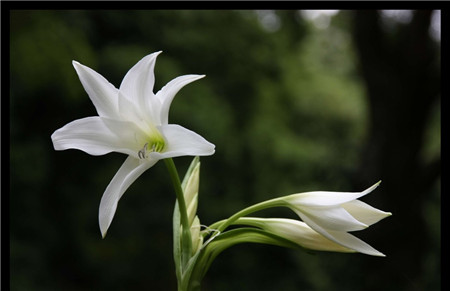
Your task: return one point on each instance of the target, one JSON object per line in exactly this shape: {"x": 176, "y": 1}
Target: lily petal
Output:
{"x": 92, "y": 136}
{"x": 168, "y": 92}
{"x": 102, "y": 93}
{"x": 343, "y": 238}
{"x": 296, "y": 231}
{"x": 364, "y": 212}
{"x": 130, "y": 135}
{"x": 137, "y": 85}
{"x": 182, "y": 142}
{"x": 352, "y": 242}
{"x": 335, "y": 218}
{"x": 325, "y": 198}
{"x": 129, "y": 111}
{"x": 130, "y": 170}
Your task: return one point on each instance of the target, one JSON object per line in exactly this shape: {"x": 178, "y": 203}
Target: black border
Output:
{"x": 8, "y": 6}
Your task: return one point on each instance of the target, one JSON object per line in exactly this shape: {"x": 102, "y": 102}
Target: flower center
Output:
{"x": 155, "y": 144}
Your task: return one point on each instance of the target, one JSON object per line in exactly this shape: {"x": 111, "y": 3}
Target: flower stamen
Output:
{"x": 142, "y": 152}
{"x": 157, "y": 146}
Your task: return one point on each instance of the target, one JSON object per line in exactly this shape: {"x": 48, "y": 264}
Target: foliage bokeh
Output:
{"x": 286, "y": 107}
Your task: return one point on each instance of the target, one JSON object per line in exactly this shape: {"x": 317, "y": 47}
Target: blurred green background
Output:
{"x": 293, "y": 100}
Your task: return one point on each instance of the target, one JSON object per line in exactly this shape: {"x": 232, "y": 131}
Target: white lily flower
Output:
{"x": 296, "y": 231}
{"x": 333, "y": 214}
{"x": 131, "y": 120}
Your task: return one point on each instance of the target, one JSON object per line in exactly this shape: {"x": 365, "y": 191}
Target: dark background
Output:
{"x": 292, "y": 104}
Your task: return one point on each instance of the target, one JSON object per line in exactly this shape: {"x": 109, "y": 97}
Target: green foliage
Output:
{"x": 285, "y": 108}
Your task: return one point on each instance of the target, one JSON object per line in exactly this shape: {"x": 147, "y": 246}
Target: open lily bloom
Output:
{"x": 131, "y": 120}
{"x": 334, "y": 214}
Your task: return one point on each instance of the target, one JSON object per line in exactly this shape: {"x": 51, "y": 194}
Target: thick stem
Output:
{"x": 186, "y": 232}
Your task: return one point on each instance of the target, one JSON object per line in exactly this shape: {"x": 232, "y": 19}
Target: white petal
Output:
{"x": 344, "y": 239}
{"x": 130, "y": 170}
{"x": 130, "y": 136}
{"x": 168, "y": 92}
{"x": 352, "y": 242}
{"x": 335, "y": 218}
{"x": 364, "y": 212}
{"x": 309, "y": 238}
{"x": 102, "y": 93}
{"x": 92, "y": 136}
{"x": 182, "y": 142}
{"x": 129, "y": 111}
{"x": 137, "y": 85}
{"x": 296, "y": 231}
{"x": 325, "y": 198}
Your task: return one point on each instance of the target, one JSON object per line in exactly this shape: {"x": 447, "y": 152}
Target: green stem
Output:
{"x": 186, "y": 233}
{"x": 205, "y": 260}
{"x": 223, "y": 224}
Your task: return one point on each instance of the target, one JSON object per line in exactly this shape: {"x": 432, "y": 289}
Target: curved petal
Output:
{"x": 182, "y": 142}
{"x": 325, "y": 198}
{"x": 364, "y": 212}
{"x": 137, "y": 85}
{"x": 102, "y": 93}
{"x": 352, "y": 242}
{"x": 296, "y": 231}
{"x": 343, "y": 238}
{"x": 92, "y": 136}
{"x": 168, "y": 92}
{"x": 130, "y": 170}
{"x": 335, "y": 218}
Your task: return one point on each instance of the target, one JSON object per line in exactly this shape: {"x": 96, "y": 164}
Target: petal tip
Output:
{"x": 75, "y": 63}
{"x": 378, "y": 254}
{"x": 371, "y": 188}
{"x": 153, "y": 56}
{"x": 103, "y": 230}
